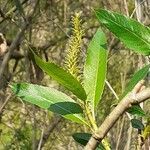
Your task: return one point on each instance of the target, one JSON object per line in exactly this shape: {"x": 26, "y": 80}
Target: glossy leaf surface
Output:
{"x": 133, "y": 34}
{"x": 137, "y": 124}
{"x": 83, "y": 139}
{"x": 136, "y": 110}
{"x": 95, "y": 68}
{"x": 49, "y": 98}
{"x": 65, "y": 108}
{"x": 61, "y": 76}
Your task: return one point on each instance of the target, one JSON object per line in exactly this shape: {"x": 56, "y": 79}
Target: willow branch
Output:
{"x": 136, "y": 96}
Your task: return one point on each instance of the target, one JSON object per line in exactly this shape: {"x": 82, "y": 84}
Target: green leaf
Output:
{"x": 61, "y": 76}
{"x": 139, "y": 75}
{"x": 100, "y": 147}
{"x": 19, "y": 7}
{"x": 132, "y": 33}
{"x": 49, "y": 98}
{"x": 136, "y": 110}
{"x": 95, "y": 68}
{"x": 137, "y": 124}
{"x": 68, "y": 108}
{"x": 83, "y": 138}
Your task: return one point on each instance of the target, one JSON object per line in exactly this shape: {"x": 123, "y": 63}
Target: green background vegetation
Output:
{"x": 22, "y": 125}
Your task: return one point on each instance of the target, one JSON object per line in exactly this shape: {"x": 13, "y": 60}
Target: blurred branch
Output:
{"x": 129, "y": 136}
{"x": 17, "y": 40}
{"x": 2, "y": 14}
{"x": 50, "y": 129}
{"x": 139, "y": 12}
{"x": 122, "y": 123}
{"x": 12, "y": 48}
{"x": 112, "y": 90}
{"x": 138, "y": 5}
{"x": 5, "y": 103}
{"x": 6, "y": 16}
{"x": 126, "y": 7}
{"x": 41, "y": 139}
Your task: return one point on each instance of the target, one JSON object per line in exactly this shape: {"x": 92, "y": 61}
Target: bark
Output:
{"x": 134, "y": 97}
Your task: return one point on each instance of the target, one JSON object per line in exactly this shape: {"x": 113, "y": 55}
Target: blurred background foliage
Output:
{"x": 25, "y": 127}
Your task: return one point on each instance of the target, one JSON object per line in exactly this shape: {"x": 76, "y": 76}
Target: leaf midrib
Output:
{"x": 147, "y": 43}
{"x": 58, "y": 78}
{"x": 98, "y": 70}
{"x": 49, "y": 101}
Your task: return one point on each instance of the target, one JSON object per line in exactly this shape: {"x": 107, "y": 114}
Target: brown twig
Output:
{"x": 5, "y": 103}
{"x": 12, "y": 48}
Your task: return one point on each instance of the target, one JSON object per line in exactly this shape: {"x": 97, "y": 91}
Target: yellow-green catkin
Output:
{"x": 74, "y": 48}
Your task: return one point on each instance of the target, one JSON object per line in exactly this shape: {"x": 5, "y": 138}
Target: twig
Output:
{"x": 136, "y": 8}
{"x": 12, "y": 48}
{"x": 126, "y": 7}
{"x": 120, "y": 132}
{"x": 134, "y": 97}
{"x": 112, "y": 90}
{"x": 5, "y": 102}
{"x": 41, "y": 139}
{"x": 6, "y": 15}
{"x": 115, "y": 94}
{"x": 139, "y": 10}
{"x": 127, "y": 147}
